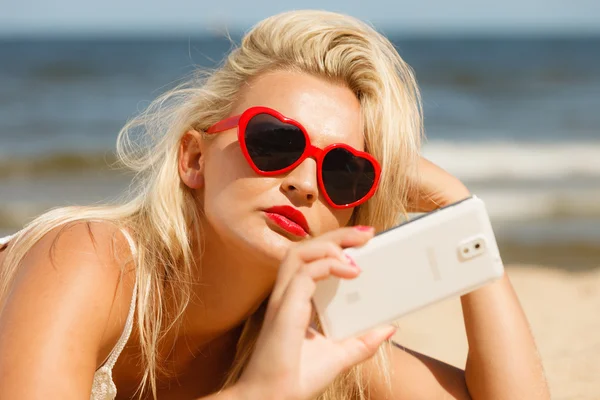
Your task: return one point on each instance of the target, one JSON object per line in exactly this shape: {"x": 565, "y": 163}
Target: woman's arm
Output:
{"x": 503, "y": 361}
{"x": 63, "y": 315}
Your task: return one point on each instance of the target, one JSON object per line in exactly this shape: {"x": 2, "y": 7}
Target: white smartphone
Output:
{"x": 447, "y": 252}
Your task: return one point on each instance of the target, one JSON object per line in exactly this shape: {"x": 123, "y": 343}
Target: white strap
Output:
{"x": 6, "y": 239}
{"x": 116, "y": 351}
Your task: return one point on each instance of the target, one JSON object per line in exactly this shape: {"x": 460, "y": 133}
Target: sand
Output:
{"x": 563, "y": 309}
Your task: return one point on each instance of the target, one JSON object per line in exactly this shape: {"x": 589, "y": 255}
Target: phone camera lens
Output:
{"x": 477, "y": 245}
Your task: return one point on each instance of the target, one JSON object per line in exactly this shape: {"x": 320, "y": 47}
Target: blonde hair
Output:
{"x": 161, "y": 212}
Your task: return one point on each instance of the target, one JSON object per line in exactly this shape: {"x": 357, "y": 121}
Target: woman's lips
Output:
{"x": 286, "y": 224}
{"x": 276, "y": 215}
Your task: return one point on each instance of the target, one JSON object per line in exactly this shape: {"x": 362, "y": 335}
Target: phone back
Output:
{"x": 448, "y": 252}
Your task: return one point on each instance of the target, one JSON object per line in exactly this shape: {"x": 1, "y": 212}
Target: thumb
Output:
{"x": 361, "y": 348}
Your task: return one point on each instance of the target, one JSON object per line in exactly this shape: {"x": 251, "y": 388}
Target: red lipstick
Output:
{"x": 289, "y": 219}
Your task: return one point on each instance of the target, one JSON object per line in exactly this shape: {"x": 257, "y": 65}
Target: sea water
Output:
{"x": 518, "y": 120}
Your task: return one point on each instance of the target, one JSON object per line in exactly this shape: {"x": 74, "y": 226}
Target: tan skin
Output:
{"x": 62, "y": 319}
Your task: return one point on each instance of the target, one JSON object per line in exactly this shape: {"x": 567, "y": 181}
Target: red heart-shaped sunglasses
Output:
{"x": 274, "y": 144}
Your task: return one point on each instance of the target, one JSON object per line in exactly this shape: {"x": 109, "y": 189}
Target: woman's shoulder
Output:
{"x": 413, "y": 375}
{"x": 90, "y": 252}
{"x": 75, "y": 282}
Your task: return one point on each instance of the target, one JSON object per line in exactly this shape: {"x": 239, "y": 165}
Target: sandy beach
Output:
{"x": 563, "y": 308}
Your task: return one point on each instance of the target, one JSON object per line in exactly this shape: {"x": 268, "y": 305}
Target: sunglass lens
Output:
{"x": 272, "y": 144}
{"x": 346, "y": 177}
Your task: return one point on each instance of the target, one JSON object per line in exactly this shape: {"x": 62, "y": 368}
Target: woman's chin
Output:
{"x": 257, "y": 240}
{"x": 276, "y": 245}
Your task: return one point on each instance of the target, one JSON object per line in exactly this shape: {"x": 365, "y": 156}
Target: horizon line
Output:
{"x": 92, "y": 34}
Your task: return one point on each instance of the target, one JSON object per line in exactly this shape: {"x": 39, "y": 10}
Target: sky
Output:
{"x": 164, "y": 17}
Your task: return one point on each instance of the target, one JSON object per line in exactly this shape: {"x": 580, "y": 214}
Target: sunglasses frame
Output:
{"x": 241, "y": 121}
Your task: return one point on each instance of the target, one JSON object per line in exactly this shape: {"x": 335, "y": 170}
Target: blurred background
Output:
{"x": 511, "y": 95}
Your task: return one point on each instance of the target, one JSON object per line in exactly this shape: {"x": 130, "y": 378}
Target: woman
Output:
{"x": 199, "y": 285}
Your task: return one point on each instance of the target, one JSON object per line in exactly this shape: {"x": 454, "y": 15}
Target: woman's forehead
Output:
{"x": 330, "y": 112}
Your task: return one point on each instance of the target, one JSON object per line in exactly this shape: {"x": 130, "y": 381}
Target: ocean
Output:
{"x": 517, "y": 119}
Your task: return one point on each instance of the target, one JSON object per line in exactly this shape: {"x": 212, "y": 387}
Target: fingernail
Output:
{"x": 352, "y": 262}
{"x": 363, "y": 228}
{"x": 391, "y": 334}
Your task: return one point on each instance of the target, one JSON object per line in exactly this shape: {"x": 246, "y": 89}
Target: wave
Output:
{"x": 503, "y": 204}
{"x": 477, "y": 161}
{"x": 517, "y": 218}
{"x": 519, "y": 213}
{"x": 56, "y": 163}
{"x": 484, "y": 161}
{"x": 510, "y": 204}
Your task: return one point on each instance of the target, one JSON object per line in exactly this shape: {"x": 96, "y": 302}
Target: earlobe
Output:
{"x": 191, "y": 160}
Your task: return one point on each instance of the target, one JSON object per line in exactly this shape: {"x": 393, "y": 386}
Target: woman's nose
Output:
{"x": 300, "y": 185}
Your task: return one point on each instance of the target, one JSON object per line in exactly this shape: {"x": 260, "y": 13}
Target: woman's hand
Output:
{"x": 433, "y": 188}
{"x": 291, "y": 360}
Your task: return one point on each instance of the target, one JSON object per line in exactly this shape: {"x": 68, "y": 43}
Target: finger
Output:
{"x": 326, "y": 245}
{"x": 350, "y": 236}
{"x": 295, "y": 309}
{"x": 311, "y": 251}
{"x": 299, "y": 256}
{"x": 358, "y": 349}
{"x": 330, "y": 244}
{"x": 292, "y": 318}
{"x": 326, "y": 267}
{"x": 314, "y": 252}
{"x": 317, "y": 270}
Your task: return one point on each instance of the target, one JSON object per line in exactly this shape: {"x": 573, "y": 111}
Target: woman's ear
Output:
{"x": 191, "y": 159}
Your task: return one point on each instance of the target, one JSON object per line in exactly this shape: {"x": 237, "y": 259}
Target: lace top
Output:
{"x": 103, "y": 387}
